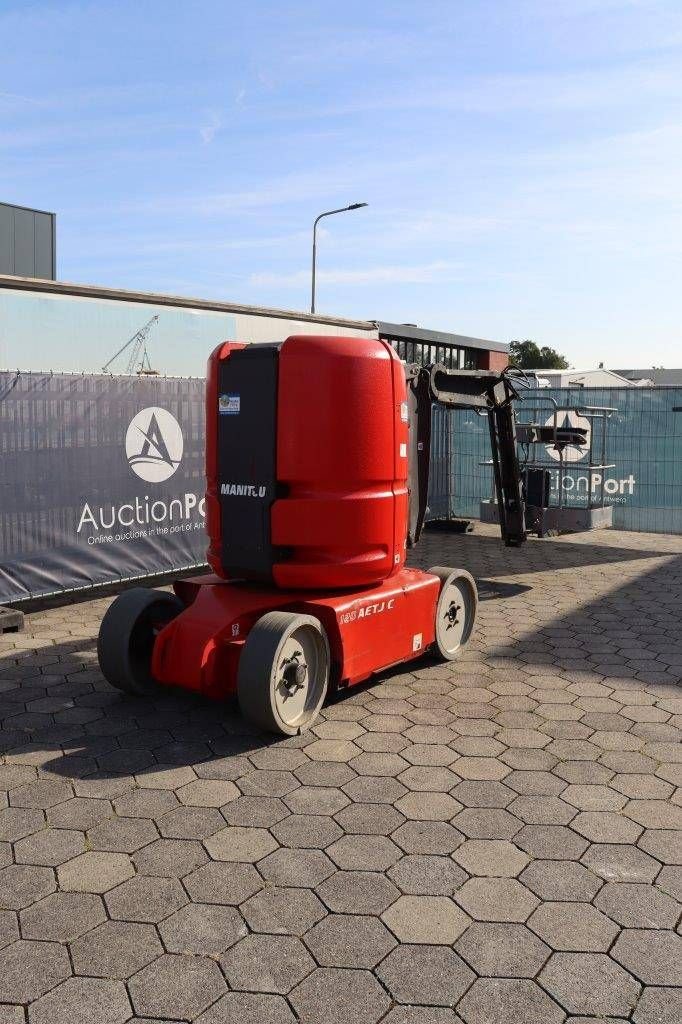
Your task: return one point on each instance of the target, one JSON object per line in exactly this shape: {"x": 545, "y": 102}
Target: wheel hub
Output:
{"x": 294, "y": 674}
{"x": 451, "y": 615}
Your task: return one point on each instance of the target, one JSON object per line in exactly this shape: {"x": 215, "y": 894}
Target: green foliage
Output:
{"x": 528, "y": 355}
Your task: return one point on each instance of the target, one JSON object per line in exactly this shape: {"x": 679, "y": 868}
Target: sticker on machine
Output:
{"x": 416, "y": 642}
{"x": 229, "y": 405}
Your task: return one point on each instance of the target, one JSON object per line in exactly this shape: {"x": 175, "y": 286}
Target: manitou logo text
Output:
{"x": 154, "y": 445}
{"x": 243, "y": 490}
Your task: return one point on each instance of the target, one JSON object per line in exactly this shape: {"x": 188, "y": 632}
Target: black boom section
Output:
{"x": 247, "y": 451}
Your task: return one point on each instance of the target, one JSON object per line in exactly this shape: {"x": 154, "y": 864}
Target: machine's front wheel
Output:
{"x": 455, "y": 611}
{"x": 127, "y": 634}
{"x": 284, "y": 672}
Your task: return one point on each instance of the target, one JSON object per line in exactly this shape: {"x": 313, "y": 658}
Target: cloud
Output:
{"x": 208, "y": 131}
{"x": 425, "y": 273}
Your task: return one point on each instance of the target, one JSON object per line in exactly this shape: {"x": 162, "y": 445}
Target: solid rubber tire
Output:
{"x": 445, "y": 574}
{"x": 257, "y": 663}
{"x": 126, "y": 639}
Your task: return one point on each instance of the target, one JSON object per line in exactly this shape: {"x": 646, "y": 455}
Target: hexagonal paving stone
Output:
{"x": 364, "y": 853}
{"x": 145, "y": 803}
{"x": 590, "y": 984}
{"x": 349, "y": 940}
{"x": 483, "y": 794}
{"x": 424, "y": 875}
{"x": 634, "y": 905}
{"x": 305, "y": 868}
{"x": 171, "y": 856}
{"x": 358, "y": 892}
{"x": 51, "y": 847}
{"x": 655, "y": 957}
{"x": 255, "y": 811}
{"x": 95, "y": 872}
{"x": 551, "y": 842}
{"x": 573, "y": 926}
{"x": 670, "y": 881}
{"x": 42, "y": 794}
{"x": 62, "y": 916}
{"x": 659, "y": 1006}
{"x": 146, "y": 899}
{"x": 426, "y": 919}
{"x": 283, "y": 911}
{"x": 176, "y": 986}
{"x": 496, "y": 899}
{"x": 79, "y": 813}
{"x": 9, "y": 928}
{"x": 593, "y": 798}
{"x": 202, "y": 928}
{"x": 224, "y": 883}
{"x": 28, "y": 969}
{"x": 208, "y": 793}
{"x": 248, "y": 1008}
{"x": 426, "y": 975}
{"x": 424, "y": 806}
{"x": 617, "y": 862}
{"x": 487, "y": 823}
{"x": 306, "y": 831}
{"x": 427, "y": 837}
{"x": 422, "y": 778}
{"x": 491, "y": 857}
{"x": 606, "y": 827}
{"x": 500, "y": 1000}
{"x": 190, "y": 823}
{"x": 663, "y": 844}
{"x": 561, "y": 880}
{"x": 87, "y": 1000}
{"x": 267, "y": 963}
{"x": 22, "y": 884}
{"x": 356, "y": 997}
{"x": 237, "y": 843}
{"x": 115, "y": 949}
{"x": 369, "y": 819}
{"x": 507, "y": 950}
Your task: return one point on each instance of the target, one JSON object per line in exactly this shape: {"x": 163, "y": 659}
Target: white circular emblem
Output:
{"x": 569, "y": 420}
{"x": 154, "y": 444}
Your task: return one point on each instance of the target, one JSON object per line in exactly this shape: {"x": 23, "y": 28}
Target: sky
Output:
{"x": 522, "y": 159}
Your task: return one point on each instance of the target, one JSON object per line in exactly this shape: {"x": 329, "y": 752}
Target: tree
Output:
{"x": 530, "y": 356}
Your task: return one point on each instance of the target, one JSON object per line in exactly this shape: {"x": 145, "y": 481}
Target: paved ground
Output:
{"x": 494, "y": 841}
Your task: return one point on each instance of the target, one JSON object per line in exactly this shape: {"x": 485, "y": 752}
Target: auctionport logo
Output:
{"x": 569, "y": 420}
{"x": 154, "y": 444}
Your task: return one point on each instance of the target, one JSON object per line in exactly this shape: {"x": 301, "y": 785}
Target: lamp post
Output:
{"x": 353, "y": 206}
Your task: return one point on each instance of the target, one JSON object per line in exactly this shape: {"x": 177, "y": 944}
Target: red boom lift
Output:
{"x": 317, "y": 456}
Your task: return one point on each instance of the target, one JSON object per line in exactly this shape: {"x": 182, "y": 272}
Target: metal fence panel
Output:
{"x": 644, "y": 442}
{"x": 102, "y": 479}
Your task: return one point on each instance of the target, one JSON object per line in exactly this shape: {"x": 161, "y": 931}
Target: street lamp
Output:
{"x": 353, "y": 206}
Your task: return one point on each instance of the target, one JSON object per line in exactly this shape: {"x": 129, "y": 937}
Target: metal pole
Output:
{"x": 328, "y": 213}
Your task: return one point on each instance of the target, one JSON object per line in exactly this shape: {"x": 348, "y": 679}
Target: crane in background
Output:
{"x": 138, "y": 361}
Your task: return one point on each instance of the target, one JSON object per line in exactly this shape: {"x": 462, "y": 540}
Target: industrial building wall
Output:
{"x": 27, "y": 242}
{"x": 77, "y": 328}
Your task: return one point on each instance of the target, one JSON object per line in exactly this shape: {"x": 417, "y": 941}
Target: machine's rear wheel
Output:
{"x": 455, "y": 611}
{"x": 127, "y": 634}
{"x": 284, "y": 672}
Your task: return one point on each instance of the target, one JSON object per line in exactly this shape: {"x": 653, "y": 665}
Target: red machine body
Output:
{"x": 306, "y": 462}
{"x": 368, "y": 630}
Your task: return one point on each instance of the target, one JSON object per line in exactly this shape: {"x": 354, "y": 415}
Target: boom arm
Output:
{"x": 488, "y": 393}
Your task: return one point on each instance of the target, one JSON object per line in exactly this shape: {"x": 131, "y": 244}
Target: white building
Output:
{"x": 599, "y": 378}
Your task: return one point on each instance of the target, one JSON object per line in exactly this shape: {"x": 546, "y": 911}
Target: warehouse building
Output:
{"x": 54, "y": 325}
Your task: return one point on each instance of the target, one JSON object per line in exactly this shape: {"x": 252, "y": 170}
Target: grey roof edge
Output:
{"x": 411, "y": 333}
{"x": 29, "y": 209}
{"x": 89, "y": 291}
